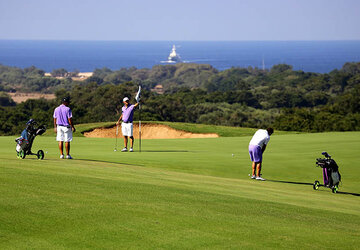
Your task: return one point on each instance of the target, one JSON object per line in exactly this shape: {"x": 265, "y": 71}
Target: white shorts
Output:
{"x": 127, "y": 129}
{"x": 64, "y": 134}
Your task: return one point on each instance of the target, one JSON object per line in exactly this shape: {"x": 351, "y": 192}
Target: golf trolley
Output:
{"x": 25, "y": 141}
{"x": 331, "y": 173}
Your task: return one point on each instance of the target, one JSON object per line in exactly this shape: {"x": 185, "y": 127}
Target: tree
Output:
{"x": 59, "y": 72}
{"x": 6, "y": 100}
{"x": 280, "y": 68}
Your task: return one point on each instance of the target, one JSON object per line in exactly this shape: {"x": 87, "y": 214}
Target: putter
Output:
{"x": 117, "y": 131}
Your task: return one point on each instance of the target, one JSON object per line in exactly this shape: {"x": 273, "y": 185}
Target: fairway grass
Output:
{"x": 176, "y": 194}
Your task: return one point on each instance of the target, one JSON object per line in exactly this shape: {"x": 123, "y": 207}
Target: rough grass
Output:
{"x": 179, "y": 194}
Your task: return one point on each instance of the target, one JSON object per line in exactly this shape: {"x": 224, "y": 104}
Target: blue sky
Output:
{"x": 180, "y": 20}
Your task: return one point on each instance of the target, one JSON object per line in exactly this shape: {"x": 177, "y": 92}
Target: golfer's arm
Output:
{"x": 55, "y": 123}
{"x": 136, "y": 104}
{"x": 71, "y": 123}
{"x": 263, "y": 148}
{"x": 120, "y": 118}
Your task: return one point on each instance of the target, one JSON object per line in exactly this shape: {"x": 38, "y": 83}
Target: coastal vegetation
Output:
{"x": 281, "y": 97}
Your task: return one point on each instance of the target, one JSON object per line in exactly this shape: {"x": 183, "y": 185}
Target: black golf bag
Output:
{"x": 25, "y": 141}
{"x": 331, "y": 174}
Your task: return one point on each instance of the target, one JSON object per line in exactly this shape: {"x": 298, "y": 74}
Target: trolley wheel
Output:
{"x": 22, "y": 154}
{"x": 334, "y": 189}
{"x": 40, "y": 155}
{"x": 316, "y": 185}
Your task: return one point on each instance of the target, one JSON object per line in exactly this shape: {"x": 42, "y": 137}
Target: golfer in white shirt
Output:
{"x": 257, "y": 147}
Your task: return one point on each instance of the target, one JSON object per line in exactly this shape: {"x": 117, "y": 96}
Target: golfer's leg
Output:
{"x": 131, "y": 141}
{"x": 61, "y": 147}
{"x": 258, "y": 163}
{"x": 253, "y": 168}
{"x": 252, "y": 159}
{"x": 125, "y": 141}
{"x": 258, "y": 169}
{"x": 67, "y": 147}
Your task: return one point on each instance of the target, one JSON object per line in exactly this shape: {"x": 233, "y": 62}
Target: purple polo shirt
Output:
{"x": 62, "y": 113}
{"x": 128, "y": 113}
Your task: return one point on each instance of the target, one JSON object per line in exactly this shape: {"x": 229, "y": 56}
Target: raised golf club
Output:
{"x": 137, "y": 98}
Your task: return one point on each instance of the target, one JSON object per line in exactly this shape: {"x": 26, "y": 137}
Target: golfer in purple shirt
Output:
{"x": 127, "y": 123}
{"x": 63, "y": 127}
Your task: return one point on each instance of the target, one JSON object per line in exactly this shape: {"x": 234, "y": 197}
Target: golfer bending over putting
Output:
{"x": 257, "y": 147}
{"x": 127, "y": 123}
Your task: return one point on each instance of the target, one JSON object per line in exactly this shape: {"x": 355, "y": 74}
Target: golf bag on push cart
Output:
{"x": 331, "y": 173}
{"x": 25, "y": 141}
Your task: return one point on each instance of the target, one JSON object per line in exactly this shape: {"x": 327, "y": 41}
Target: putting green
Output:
{"x": 185, "y": 193}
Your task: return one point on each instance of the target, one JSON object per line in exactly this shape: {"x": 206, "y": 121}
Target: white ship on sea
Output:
{"x": 173, "y": 56}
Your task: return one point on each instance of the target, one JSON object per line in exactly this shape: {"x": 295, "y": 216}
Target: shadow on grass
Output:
{"x": 355, "y": 194}
{"x": 310, "y": 184}
{"x": 33, "y": 158}
{"x": 292, "y": 182}
{"x": 112, "y": 162}
{"x": 165, "y": 151}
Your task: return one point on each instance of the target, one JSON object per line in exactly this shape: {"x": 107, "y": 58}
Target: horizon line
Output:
{"x": 85, "y": 40}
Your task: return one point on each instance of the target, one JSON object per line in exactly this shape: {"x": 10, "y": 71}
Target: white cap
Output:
{"x": 125, "y": 99}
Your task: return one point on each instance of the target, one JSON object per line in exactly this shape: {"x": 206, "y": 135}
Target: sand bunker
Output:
{"x": 148, "y": 131}
{"x": 22, "y": 97}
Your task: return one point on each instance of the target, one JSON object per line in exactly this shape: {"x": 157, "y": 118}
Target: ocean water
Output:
{"x": 310, "y": 56}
